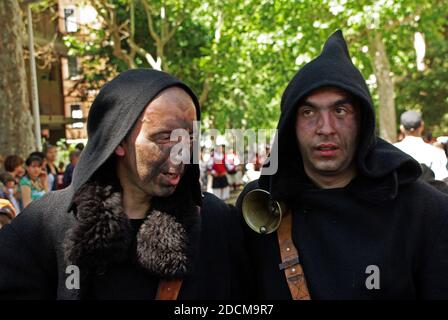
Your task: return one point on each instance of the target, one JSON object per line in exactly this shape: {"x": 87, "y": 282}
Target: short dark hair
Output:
{"x": 12, "y": 162}
{"x": 37, "y": 154}
{"x": 6, "y": 177}
{"x": 80, "y": 146}
{"x": 33, "y": 158}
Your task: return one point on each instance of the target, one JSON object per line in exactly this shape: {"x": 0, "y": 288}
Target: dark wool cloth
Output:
{"x": 385, "y": 217}
{"x": 186, "y": 236}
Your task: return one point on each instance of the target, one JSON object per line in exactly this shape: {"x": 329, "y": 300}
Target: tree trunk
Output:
{"x": 386, "y": 92}
{"x": 16, "y": 133}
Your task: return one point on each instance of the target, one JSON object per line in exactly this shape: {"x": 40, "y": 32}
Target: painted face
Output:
{"x": 144, "y": 156}
{"x": 327, "y": 125}
{"x": 34, "y": 169}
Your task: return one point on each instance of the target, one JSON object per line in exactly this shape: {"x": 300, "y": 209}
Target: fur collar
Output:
{"x": 102, "y": 235}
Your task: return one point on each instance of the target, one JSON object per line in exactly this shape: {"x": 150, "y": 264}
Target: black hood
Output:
{"x": 381, "y": 167}
{"x": 112, "y": 116}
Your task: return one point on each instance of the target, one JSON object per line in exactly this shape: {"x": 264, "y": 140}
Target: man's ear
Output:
{"x": 119, "y": 151}
{"x": 402, "y": 129}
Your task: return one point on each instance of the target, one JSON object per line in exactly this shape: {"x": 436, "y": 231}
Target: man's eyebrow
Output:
{"x": 339, "y": 102}
{"x": 343, "y": 101}
{"x": 307, "y": 103}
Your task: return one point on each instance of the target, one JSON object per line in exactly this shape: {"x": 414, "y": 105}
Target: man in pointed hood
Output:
{"x": 358, "y": 224}
{"x": 133, "y": 223}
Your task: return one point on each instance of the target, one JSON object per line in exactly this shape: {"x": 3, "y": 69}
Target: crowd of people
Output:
{"x": 222, "y": 170}
{"x": 25, "y": 180}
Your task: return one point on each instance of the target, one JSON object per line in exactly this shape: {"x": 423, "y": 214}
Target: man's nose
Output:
{"x": 325, "y": 124}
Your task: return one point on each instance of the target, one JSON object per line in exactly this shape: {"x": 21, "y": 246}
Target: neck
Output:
{"x": 415, "y": 135}
{"x": 135, "y": 204}
{"x": 332, "y": 182}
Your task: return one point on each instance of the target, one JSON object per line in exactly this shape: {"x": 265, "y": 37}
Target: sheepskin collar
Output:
{"x": 102, "y": 235}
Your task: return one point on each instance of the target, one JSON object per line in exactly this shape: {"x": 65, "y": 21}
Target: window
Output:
{"x": 70, "y": 20}
{"x": 76, "y": 112}
{"x": 72, "y": 67}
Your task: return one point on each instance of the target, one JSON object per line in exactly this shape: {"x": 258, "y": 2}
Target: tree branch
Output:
{"x": 205, "y": 90}
{"x": 151, "y": 30}
{"x": 145, "y": 54}
{"x": 173, "y": 30}
{"x": 394, "y": 23}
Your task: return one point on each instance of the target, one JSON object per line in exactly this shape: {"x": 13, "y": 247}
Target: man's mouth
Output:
{"x": 327, "y": 149}
{"x": 171, "y": 177}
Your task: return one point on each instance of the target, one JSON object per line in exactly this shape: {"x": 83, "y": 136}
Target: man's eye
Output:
{"x": 307, "y": 112}
{"x": 341, "y": 111}
{"x": 161, "y": 137}
{"x": 165, "y": 136}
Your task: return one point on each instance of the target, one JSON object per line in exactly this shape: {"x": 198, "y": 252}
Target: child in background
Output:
{"x": 9, "y": 190}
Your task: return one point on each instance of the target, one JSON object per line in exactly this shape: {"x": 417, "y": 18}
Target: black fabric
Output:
{"x": 339, "y": 236}
{"x": 385, "y": 217}
{"x": 32, "y": 264}
{"x": 85, "y": 223}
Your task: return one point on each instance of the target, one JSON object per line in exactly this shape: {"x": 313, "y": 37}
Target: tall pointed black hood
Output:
{"x": 375, "y": 158}
{"x": 114, "y": 113}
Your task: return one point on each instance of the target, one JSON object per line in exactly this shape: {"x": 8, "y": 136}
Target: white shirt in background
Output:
{"x": 425, "y": 153}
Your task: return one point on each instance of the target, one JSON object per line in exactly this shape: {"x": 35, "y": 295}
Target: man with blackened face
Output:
{"x": 133, "y": 224}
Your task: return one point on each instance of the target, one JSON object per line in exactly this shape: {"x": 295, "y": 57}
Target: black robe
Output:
{"x": 383, "y": 236}
{"x": 84, "y": 226}
{"x": 32, "y": 264}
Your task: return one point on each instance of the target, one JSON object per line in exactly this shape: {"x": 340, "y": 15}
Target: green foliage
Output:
{"x": 248, "y": 59}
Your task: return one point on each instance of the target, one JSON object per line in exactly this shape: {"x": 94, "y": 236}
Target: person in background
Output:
{"x": 68, "y": 174}
{"x": 217, "y": 165}
{"x": 9, "y": 190}
{"x": 253, "y": 169}
{"x": 34, "y": 184}
{"x": 233, "y": 165}
{"x": 80, "y": 146}
{"x": 60, "y": 176}
{"x": 51, "y": 153}
{"x": 14, "y": 166}
{"x": 413, "y": 144}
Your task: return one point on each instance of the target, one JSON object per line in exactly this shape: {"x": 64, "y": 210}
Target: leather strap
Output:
{"x": 290, "y": 261}
{"x": 168, "y": 289}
